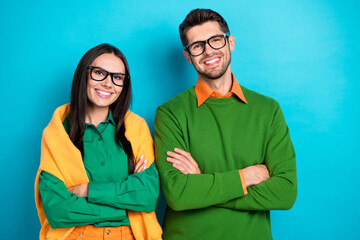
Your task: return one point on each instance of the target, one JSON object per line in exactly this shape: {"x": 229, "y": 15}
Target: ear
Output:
{"x": 187, "y": 56}
{"x": 232, "y": 42}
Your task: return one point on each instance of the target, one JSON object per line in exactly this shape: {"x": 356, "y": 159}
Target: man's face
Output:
{"x": 212, "y": 63}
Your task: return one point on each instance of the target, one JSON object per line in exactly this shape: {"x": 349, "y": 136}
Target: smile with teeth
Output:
{"x": 212, "y": 61}
{"x": 102, "y": 92}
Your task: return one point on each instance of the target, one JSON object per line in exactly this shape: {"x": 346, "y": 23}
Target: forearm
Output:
{"x": 139, "y": 192}
{"x": 64, "y": 209}
{"x": 194, "y": 191}
{"x": 277, "y": 193}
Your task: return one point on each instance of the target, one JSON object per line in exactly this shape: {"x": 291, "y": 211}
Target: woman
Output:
{"x": 97, "y": 178}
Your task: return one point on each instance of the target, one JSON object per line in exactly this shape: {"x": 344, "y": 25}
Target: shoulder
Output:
{"x": 178, "y": 107}
{"x": 179, "y": 101}
{"x": 133, "y": 117}
{"x": 259, "y": 100}
{"x": 136, "y": 130}
{"x": 177, "y": 110}
{"x": 55, "y": 126}
{"x": 134, "y": 122}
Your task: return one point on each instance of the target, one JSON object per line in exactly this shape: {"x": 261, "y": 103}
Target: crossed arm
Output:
{"x": 82, "y": 190}
{"x": 184, "y": 162}
{"x": 73, "y": 207}
{"x": 270, "y": 186}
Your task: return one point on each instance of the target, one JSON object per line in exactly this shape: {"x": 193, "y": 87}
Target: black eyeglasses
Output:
{"x": 215, "y": 42}
{"x": 99, "y": 74}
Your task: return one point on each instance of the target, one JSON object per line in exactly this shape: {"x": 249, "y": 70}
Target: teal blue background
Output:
{"x": 304, "y": 53}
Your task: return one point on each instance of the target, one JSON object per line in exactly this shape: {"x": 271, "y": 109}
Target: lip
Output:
{"x": 103, "y": 95}
{"x": 214, "y": 61}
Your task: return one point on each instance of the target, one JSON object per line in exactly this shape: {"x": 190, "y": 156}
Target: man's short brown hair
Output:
{"x": 197, "y": 17}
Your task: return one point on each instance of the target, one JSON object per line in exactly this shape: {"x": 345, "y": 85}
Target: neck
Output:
{"x": 96, "y": 115}
{"x": 221, "y": 85}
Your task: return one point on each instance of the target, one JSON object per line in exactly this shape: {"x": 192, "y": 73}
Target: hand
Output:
{"x": 140, "y": 165}
{"x": 183, "y": 161}
{"x": 81, "y": 190}
{"x": 255, "y": 174}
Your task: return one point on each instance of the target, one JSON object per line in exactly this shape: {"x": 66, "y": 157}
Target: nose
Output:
{"x": 107, "y": 82}
{"x": 208, "y": 50}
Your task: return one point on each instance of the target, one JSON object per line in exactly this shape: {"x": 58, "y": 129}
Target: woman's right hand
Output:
{"x": 141, "y": 164}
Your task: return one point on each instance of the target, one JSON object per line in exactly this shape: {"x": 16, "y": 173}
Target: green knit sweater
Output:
{"x": 224, "y": 135}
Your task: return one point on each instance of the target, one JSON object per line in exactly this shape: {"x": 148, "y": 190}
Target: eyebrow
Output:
{"x": 205, "y": 39}
{"x": 106, "y": 70}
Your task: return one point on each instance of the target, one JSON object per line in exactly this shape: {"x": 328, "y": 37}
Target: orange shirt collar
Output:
{"x": 203, "y": 91}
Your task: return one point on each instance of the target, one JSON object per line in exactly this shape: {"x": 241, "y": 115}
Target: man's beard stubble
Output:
{"x": 216, "y": 75}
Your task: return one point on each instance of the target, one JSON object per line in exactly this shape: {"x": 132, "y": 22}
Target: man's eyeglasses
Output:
{"x": 99, "y": 74}
{"x": 215, "y": 42}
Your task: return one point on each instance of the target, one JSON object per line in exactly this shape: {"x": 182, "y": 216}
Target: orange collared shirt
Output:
{"x": 203, "y": 92}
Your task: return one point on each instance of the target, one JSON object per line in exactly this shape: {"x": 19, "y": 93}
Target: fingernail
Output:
{"x": 145, "y": 161}
{"x": 175, "y": 149}
{"x": 168, "y": 153}
{"x": 144, "y": 167}
{"x": 142, "y": 156}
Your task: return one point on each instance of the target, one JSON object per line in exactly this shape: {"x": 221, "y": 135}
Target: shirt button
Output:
{"x": 80, "y": 234}
{"x": 108, "y": 232}
{"x": 102, "y": 163}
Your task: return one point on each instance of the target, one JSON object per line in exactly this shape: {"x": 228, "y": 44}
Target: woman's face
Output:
{"x": 102, "y": 94}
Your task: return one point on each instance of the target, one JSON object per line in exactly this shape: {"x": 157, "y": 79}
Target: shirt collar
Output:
{"x": 203, "y": 91}
{"x": 110, "y": 118}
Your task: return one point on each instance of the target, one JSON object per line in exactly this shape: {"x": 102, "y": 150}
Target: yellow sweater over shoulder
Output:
{"x": 61, "y": 158}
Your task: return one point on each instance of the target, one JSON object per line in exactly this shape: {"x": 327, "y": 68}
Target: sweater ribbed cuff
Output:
{"x": 234, "y": 188}
{"x": 242, "y": 178}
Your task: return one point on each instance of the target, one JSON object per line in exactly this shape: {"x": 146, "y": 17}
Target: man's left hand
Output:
{"x": 183, "y": 161}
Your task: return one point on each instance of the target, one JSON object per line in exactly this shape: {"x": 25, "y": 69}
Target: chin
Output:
{"x": 213, "y": 76}
{"x": 102, "y": 104}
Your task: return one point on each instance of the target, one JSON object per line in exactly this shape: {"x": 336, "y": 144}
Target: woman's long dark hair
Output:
{"x": 79, "y": 99}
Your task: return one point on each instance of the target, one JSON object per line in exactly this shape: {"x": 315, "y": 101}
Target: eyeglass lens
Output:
{"x": 216, "y": 42}
{"x": 99, "y": 74}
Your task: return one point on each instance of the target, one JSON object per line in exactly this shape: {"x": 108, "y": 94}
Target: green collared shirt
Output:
{"x": 111, "y": 189}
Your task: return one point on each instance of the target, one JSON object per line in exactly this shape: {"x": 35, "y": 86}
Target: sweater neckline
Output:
{"x": 219, "y": 101}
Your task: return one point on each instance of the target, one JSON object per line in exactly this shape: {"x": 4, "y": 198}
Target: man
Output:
{"x": 224, "y": 152}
